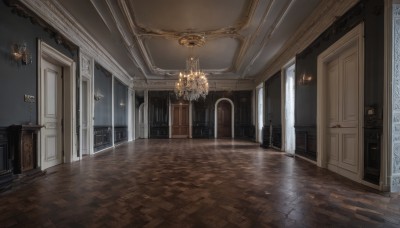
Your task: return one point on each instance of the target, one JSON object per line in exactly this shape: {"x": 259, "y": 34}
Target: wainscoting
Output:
{"x": 120, "y": 134}
{"x": 202, "y": 131}
{"x": 244, "y": 131}
{"x": 275, "y": 141}
{"x": 6, "y": 175}
{"x": 372, "y": 154}
{"x": 102, "y": 137}
{"x": 306, "y": 141}
{"x": 159, "y": 132}
{"x": 265, "y": 137}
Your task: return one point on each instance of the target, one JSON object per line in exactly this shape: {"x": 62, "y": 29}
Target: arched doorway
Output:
{"x": 224, "y": 116}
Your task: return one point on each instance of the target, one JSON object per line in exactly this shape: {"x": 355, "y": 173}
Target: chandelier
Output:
{"x": 192, "y": 83}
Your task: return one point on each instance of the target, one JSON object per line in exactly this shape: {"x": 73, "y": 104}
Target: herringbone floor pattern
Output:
{"x": 194, "y": 183}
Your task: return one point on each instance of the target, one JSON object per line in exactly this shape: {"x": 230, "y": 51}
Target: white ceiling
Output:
{"x": 242, "y": 36}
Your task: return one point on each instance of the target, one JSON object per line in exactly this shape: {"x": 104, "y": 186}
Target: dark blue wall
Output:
{"x": 120, "y": 104}
{"x": 102, "y": 107}
{"x": 15, "y": 79}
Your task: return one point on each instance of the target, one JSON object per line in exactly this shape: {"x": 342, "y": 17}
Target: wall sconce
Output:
{"x": 19, "y": 52}
{"x": 305, "y": 79}
{"x": 122, "y": 104}
{"x": 98, "y": 96}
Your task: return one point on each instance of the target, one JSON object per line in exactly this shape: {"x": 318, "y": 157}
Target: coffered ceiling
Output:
{"x": 241, "y": 36}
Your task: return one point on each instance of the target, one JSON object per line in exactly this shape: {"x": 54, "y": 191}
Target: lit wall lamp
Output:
{"x": 122, "y": 105}
{"x": 98, "y": 96}
{"x": 19, "y": 52}
{"x": 305, "y": 79}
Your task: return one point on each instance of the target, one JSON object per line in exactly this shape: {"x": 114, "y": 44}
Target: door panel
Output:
{"x": 333, "y": 80}
{"x": 343, "y": 152}
{"x": 180, "y": 121}
{"x": 349, "y": 156}
{"x": 224, "y": 113}
{"x": 333, "y": 147}
{"x": 52, "y": 114}
{"x": 350, "y": 89}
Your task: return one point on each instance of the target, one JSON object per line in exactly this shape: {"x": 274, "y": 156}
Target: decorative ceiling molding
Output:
{"x": 322, "y": 17}
{"x": 142, "y": 33}
{"x": 228, "y": 85}
{"x": 54, "y": 14}
{"x": 267, "y": 36}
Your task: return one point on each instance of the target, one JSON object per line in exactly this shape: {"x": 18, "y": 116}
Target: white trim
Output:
{"x": 387, "y": 98}
{"x": 190, "y": 119}
{"x": 146, "y": 115}
{"x": 283, "y": 99}
{"x": 59, "y": 18}
{"x": 257, "y": 91}
{"x": 354, "y": 37}
{"x": 131, "y": 115}
{"x": 69, "y": 101}
{"x": 112, "y": 112}
{"x": 87, "y": 74}
{"x": 141, "y": 106}
{"x": 216, "y": 117}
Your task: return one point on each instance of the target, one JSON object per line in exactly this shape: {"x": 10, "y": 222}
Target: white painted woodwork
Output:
{"x": 85, "y": 118}
{"x": 141, "y": 121}
{"x": 52, "y": 110}
{"x": 342, "y": 74}
{"x": 340, "y": 105}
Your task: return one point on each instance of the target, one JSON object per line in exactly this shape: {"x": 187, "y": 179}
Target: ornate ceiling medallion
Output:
{"x": 192, "y": 40}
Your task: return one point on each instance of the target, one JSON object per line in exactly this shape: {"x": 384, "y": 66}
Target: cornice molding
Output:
{"x": 53, "y": 13}
{"x": 322, "y": 17}
{"x": 228, "y": 85}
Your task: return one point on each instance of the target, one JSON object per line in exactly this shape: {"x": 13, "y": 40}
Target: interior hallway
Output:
{"x": 194, "y": 183}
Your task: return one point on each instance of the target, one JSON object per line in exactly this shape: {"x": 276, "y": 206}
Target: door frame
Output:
{"x": 216, "y": 117}
{"x": 140, "y": 116}
{"x": 69, "y": 100}
{"x": 354, "y": 37}
{"x": 171, "y": 117}
{"x": 87, "y": 74}
{"x": 261, "y": 86}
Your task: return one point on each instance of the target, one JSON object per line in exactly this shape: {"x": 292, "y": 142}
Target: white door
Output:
{"x": 85, "y": 118}
{"x": 51, "y": 93}
{"x": 342, "y": 143}
{"x": 141, "y": 121}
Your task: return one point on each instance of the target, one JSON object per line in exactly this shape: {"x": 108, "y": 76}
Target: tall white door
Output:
{"x": 343, "y": 145}
{"x": 51, "y": 109}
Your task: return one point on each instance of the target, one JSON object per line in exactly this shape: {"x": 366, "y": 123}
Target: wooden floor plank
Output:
{"x": 194, "y": 183}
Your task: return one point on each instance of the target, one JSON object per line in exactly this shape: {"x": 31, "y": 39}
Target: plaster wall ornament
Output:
{"x": 86, "y": 65}
{"x": 142, "y": 34}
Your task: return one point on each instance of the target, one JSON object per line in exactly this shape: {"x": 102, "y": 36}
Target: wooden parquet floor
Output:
{"x": 194, "y": 183}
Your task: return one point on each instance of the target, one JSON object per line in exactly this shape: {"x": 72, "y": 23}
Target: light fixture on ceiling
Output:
{"x": 192, "y": 83}
{"x": 19, "y": 52}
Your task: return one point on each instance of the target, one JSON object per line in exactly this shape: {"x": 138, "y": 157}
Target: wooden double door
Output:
{"x": 180, "y": 121}
{"x": 224, "y": 115}
{"x": 343, "y": 113}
